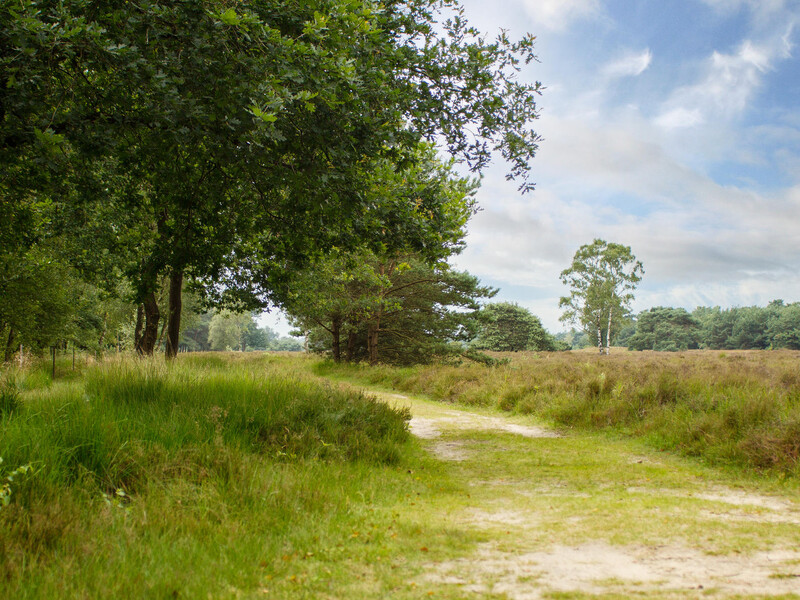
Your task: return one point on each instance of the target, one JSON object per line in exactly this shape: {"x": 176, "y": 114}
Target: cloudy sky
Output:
{"x": 670, "y": 126}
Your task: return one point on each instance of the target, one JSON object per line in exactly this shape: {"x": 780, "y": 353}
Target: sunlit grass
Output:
{"x": 242, "y": 475}
{"x": 217, "y": 476}
{"x": 738, "y": 409}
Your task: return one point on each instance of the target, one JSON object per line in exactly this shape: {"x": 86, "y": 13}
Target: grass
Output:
{"x": 242, "y": 475}
{"x": 590, "y": 490}
{"x": 735, "y": 409}
{"x": 218, "y": 476}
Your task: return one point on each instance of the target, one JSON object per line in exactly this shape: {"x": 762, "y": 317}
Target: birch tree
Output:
{"x": 601, "y": 279}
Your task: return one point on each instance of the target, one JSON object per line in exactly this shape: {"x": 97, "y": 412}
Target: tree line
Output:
{"x": 774, "y": 326}
{"x": 201, "y": 152}
{"x": 602, "y": 279}
{"x": 229, "y": 331}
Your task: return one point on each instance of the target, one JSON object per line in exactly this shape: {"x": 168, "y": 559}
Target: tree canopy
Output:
{"x": 393, "y": 309}
{"x": 601, "y": 279}
{"x": 665, "y": 329}
{"x": 508, "y": 327}
{"x": 225, "y": 145}
{"x": 774, "y": 326}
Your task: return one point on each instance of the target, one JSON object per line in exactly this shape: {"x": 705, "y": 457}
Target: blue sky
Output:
{"x": 671, "y": 126}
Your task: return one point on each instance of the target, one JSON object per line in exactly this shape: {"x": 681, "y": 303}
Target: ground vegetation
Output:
{"x": 739, "y": 409}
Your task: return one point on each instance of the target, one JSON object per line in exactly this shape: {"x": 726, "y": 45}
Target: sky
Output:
{"x": 670, "y": 126}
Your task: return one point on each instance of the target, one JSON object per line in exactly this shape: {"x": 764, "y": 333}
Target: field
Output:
{"x": 252, "y": 475}
{"x": 738, "y": 409}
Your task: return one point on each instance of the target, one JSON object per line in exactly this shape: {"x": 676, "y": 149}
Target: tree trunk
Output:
{"x": 174, "y": 318}
{"x": 137, "y": 333}
{"x": 163, "y": 331}
{"x": 151, "y": 317}
{"x": 372, "y": 343}
{"x": 608, "y": 331}
{"x": 9, "y": 352}
{"x": 600, "y": 337}
{"x": 351, "y": 346}
{"x": 336, "y": 327}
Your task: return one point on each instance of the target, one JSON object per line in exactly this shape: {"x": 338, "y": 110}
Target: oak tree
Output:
{"x": 240, "y": 139}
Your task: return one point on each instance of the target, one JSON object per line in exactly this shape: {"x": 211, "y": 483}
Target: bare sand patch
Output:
{"x": 453, "y": 419}
{"x": 598, "y": 567}
{"x": 502, "y": 517}
{"x": 424, "y": 428}
{"x": 741, "y": 498}
{"x": 530, "y": 431}
{"x": 790, "y": 511}
{"x": 453, "y": 450}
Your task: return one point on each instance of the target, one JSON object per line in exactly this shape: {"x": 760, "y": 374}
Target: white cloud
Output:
{"x": 762, "y": 9}
{"x": 702, "y": 243}
{"x": 727, "y": 86}
{"x": 646, "y": 179}
{"x": 558, "y": 14}
{"x": 631, "y": 64}
{"x": 679, "y": 118}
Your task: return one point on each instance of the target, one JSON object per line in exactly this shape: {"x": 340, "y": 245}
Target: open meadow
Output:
{"x": 727, "y": 408}
{"x": 315, "y": 314}
{"x": 253, "y": 475}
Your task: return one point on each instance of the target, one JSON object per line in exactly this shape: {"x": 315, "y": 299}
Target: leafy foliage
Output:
{"x": 154, "y": 131}
{"x": 239, "y": 331}
{"x": 228, "y": 330}
{"x": 665, "y": 329}
{"x": 741, "y": 328}
{"x": 397, "y": 310}
{"x": 508, "y": 327}
{"x": 601, "y": 279}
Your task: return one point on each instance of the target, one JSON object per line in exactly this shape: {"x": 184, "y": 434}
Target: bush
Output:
{"x": 131, "y": 422}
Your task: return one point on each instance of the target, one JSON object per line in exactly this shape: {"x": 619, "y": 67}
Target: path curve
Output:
{"x": 546, "y": 556}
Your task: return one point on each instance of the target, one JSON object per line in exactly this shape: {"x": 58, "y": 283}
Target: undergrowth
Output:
{"x": 739, "y": 409}
{"x": 139, "y": 479}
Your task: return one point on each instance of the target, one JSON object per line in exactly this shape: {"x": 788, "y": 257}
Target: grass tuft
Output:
{"x": 9, "y": 396}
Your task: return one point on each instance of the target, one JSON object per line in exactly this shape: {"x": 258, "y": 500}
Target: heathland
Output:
{"x": 257, "y": 475}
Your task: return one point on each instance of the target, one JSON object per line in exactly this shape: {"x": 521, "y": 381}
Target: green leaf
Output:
{"x": 229, "y": 17}
{"x": 267, "y": 117}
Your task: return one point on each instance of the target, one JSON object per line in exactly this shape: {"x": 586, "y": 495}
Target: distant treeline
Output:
{"x": 776, "y": 325}
{"x": 224, "y": 330}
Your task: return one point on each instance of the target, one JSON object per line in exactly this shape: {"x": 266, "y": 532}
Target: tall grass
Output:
{"x": 735, "y": 408}
{"x": 141, "y": 470}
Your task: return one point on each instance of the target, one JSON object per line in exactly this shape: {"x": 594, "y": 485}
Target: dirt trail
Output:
{"x": 566, "y": 514}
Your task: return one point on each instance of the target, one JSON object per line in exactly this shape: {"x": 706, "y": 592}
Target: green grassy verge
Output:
{"x": 735, "y": 409}
{"x": 218, "y": 476}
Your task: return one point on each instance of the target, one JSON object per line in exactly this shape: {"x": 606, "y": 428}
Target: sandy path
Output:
{"x": 545, "y": 558}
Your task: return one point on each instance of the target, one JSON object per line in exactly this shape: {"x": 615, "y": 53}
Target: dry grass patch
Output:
{"x": 735, "y": 408}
